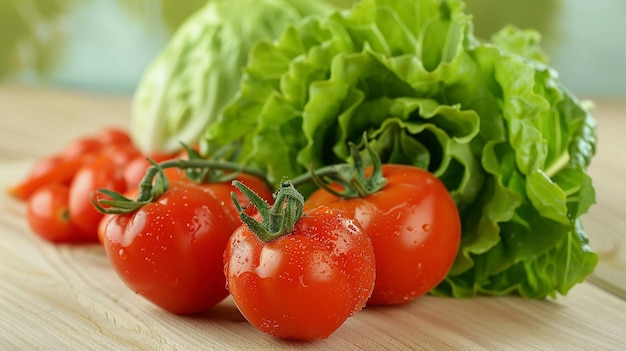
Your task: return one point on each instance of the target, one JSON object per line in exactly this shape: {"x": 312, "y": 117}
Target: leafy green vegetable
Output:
{"x": 490, "y": 118}
{"x": 199, "y": 70}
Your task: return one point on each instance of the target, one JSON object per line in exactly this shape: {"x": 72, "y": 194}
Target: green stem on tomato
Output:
{"x": 155, "y": 183}
{"x": 277, "y": 220}
{"x": 351, "y": 177}
{"x": 152, "y": 171}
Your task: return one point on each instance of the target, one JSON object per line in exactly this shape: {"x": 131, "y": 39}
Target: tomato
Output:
{"x": 98, "y": 173}
{"x": 135, "y": 170}
{"x": 45, "y": 165}
{"x": 170, "y": 251}
{"x": 59, "y": 171}
{"x": 113, "y": 136}
{"x": 82, "y": 146}
{"x": 120, "y": 154}
{"x": 414, "y": 226}
{"x": 48, "y": 216}
{"x": 304, "y": 284}
{"x": 102, "y": 225}
{"x": 223, "y": 190}
{"x": 130, "y": 194}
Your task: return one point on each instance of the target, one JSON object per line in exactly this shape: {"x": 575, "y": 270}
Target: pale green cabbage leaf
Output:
{"x": 186, "y": 85}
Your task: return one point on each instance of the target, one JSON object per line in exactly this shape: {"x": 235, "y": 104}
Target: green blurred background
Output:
{"x": 105, "y": 45}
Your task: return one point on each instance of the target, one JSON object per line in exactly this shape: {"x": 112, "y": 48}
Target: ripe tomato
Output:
{"x": 305, "y": 284}
{"x": 48, "y": 216}
{"x": 135, "y": 170}
{"x": 98, "y": 173}
{"x": 113, "y": 135}
{"x": 45, "y": 165}
{"x": 62, "y": 172}
{"x": 170, "y": 251}
{"x": 82, "y": 146}
{"x": 224, "y": 189}
{"x": 120, "y": 154}
{"x": 415, "y": 228}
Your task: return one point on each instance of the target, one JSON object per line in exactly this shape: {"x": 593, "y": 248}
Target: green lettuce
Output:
{"x": 490, "y": 118}
{"x": 199, "y": 70}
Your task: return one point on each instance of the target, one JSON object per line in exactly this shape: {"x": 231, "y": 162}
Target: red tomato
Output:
{"x": 135, "y": 170}
{"x": 48, "y": 215}
{"x": 81, "y": 147}
{"x": 63, "y": 173}
{"x": 223, "y": 190}
{"x": 415, "y": 228}
{"x": 120, "y": 154}
{"x": 113, "y": 136}
{"x": 45, "y": 165}
{"x": 305, "y": 284}
{"x": 170, "y": 251}
{"x": 98, "y": 173}
{"x": 102, "y": 225}
{"x": 130, "y": 194}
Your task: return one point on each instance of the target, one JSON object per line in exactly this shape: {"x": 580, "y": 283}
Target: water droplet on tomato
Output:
{"x": 426, "y": 227}
{"x": 410, "y": 228}
{"x": 122, "y": 255}
{"x": 302, "y": 283}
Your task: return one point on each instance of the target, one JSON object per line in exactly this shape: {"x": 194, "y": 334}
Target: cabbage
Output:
{"x": 199, "y": 70}
{"x": 490, "y": 118}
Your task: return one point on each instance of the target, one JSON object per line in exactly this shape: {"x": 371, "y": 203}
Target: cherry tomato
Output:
{"x": 135, "y": 170}
{"x": 415, "y": 228}
{"x": 113, "y": 136}
{"x": 223, "y": 190}
{"x": 305, "y": 284}
{"x": 98, "y": 173}
{"x": 130, "y": 194}
{"x": 48, "y": 216}
{"x": 44, "y": 165}
{"x": 120, "y": 154}
{"x": 81, "y": 147}
{"x": 170, "y": 251}
{"x": 102, "y": 225}
{"x": 62, "y": 172}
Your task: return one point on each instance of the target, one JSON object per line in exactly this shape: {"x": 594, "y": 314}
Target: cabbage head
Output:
{"x": 184, "y": 88}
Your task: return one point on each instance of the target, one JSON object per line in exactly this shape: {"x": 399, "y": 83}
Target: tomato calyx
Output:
{"x": 351, "y": 178}
{"x": 277, "y": 220}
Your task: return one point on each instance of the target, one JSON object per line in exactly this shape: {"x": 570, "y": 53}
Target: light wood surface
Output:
{"x": 60, "y": 297}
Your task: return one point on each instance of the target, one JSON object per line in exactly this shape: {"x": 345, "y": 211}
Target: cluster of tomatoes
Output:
{"x": 57, "y": 189}
{"x": 296, "y": 268}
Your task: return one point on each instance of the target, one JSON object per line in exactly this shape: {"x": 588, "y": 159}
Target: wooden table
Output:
{"x": 68, "y": 297}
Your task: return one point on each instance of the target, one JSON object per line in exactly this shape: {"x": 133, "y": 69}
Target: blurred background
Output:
{"x": 105, "y": 45}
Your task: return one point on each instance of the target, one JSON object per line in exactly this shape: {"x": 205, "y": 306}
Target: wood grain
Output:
{"x": 68, "y": 297}
{"x": 606, "y": 222}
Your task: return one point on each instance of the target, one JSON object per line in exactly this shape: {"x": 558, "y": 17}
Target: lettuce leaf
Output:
{"x": 490, "y": 118}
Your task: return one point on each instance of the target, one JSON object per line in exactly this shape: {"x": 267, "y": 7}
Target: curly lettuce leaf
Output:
{"x": 489, "y": 118}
